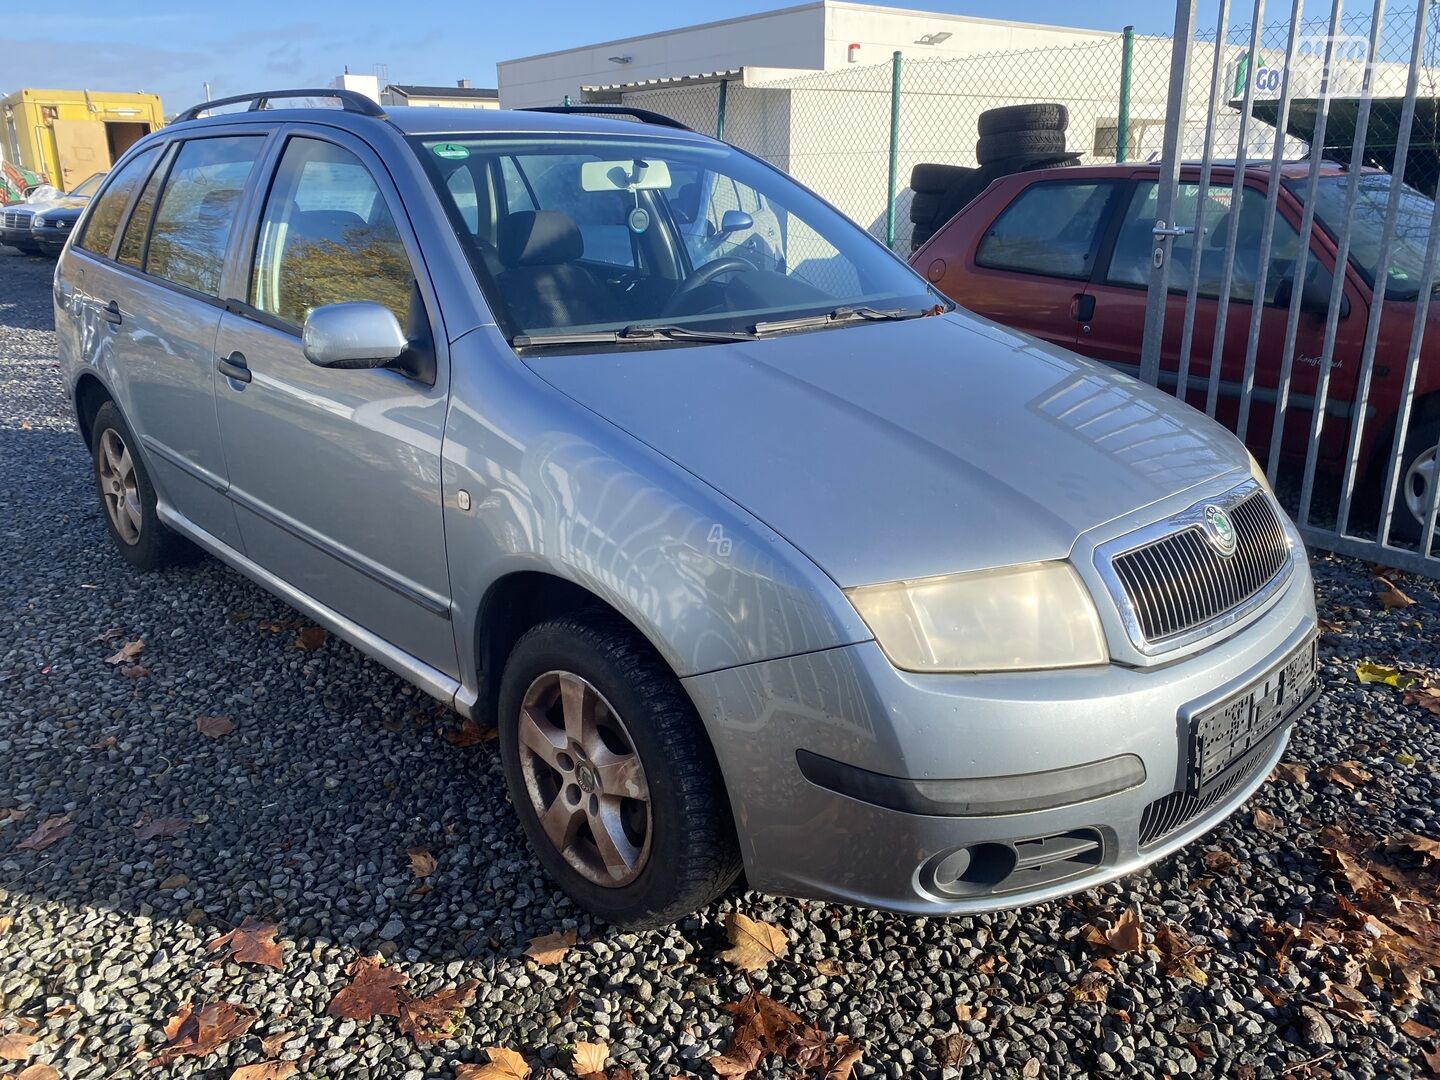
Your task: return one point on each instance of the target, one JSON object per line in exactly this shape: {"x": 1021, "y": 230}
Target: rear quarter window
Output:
{"x": 105, "y": 215}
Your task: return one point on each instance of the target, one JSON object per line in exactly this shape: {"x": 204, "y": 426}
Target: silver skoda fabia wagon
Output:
{"x": 759, "y": 553}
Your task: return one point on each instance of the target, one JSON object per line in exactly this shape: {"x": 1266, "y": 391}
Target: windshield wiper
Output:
{"x": 638, "y": 332}
{"x": 848, "y": 314}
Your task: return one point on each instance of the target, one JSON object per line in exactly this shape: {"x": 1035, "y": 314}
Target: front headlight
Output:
{"x": 1258, "y": 472}
{"x": 37, "y": 221}
{"x": 1035, "y": 615}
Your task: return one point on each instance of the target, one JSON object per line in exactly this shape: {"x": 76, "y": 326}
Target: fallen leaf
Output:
{"x": 470, "y": 733}
{"x": 1414, "y": 844}
{"x": 311, "y": 638}
{"x": 1179, "y": 955}
{"x": 105, "y": 743}
{"x": 1265, "y": 821}
{"x": 126, "y": 652}
{"x": 198, "y": 1033}
{"x": 175, "y": 881}
{"x": 135, "y": 671}
{"x": 373, "y": 991}
{"x": 50, "y": 831}
{"x": 1127, "y": 935}
{"x": 831, "y": 968}
{"x": 214, "y": 726}
{"x": 548, "y": 950}
{"x": 1432, "y": 1061}
{"x": 422, "y": 863}
{"x": 16, "y": 1047}
{"x": 252, "y": 942}
{"x": 1390, "y": 596}
{"x": 1417, "y": 1030}
{"x": 271, "y": 1045}
{"x": 1330, "y": 626}
{"x": 1296, "y": 774}
{"x": 589, "y": 1058}
{"x": 158, "y": 828}
{"x": 1093, "y": 988}
{"x": 846, "y": 1063}
{"x": 266, "y": 1070}
{"x": 965, "y": 1012}
{"x": 436, "y": 1016}
{"x": 753, "y": 944}
{"x": 503, "y": 1065}
{"x": 1220, "y": 862}
{"x": 1427, "y": 697}
{"x": 952, "y": 1049}
{"x": 11, "y": 813}
{"x": 38, "y": 1071}
{"x": 1347, "y": 774}
{"x": 1379, "y": 673}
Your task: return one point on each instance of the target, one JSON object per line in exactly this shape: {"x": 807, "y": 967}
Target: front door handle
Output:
{"x": 234, "y": 367}
{"x": 111, "y": 311}
{"x": 1082, "y": 307}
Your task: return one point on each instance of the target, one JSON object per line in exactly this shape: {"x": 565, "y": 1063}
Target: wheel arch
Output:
{"x": 90, "y": 393}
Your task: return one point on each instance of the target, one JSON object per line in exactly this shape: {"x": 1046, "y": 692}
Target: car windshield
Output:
{"x": 1412, "y": 227}
{"x": 658, "y": 240}
{"x": 88, "y": 186}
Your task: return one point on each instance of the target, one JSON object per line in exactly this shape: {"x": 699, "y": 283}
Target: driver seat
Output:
{"x": 542, "y": 279}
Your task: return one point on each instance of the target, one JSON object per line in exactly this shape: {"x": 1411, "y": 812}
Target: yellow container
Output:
{"x": 67, "y": 135}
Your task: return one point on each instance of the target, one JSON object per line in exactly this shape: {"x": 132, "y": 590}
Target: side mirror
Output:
{"x": 733, "y": 221}
{"x": 358, "y": 334}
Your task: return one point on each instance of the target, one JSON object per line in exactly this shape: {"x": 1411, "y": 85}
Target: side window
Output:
{"x": 197, "y": 208}
{"x": 105, "y": 215}
{"x": 1130, "y": 265}
{"x": 327, "y": 237}
{"x": 1050, "y": 229}
{"x": 132, "y": 244}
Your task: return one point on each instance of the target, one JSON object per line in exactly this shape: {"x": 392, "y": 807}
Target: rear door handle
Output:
{"x": 111, "y": 311}
{"x": 234, "y": 367}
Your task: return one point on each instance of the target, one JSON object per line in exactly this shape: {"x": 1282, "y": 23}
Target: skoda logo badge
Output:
{"x": 1218, "y": 529}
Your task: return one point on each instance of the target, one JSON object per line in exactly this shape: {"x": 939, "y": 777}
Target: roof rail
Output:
{"x": 645, "y": 116}
{"x": 350, "y": 101}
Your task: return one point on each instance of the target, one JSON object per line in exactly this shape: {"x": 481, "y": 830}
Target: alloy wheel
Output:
{"x": 119, "y": 486}
{"x": 584, "y": 779}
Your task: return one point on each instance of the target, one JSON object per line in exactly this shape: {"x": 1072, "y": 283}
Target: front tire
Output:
{"x": 1413, "y": 487}
{"x": 127, "y": 497}
{"x": 611, "y": 773}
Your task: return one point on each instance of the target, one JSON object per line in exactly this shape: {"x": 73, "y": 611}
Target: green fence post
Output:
{"x": 1122, "y": 124}
{"x": 894, "y": 148}
{"x": 566, "y": 102}
{"x": 720, "y": 110}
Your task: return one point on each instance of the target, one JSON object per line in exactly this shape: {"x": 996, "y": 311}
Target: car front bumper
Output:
{"x": 1024, "y": 736}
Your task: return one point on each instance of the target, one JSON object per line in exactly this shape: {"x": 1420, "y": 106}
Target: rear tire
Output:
{"x": 1009, "y": 144}
{"x": 1418, "y": 473}
{"x": 670, "y": 853}
{"x": 1041, "y": 117}
{"x": 127, "y": 497}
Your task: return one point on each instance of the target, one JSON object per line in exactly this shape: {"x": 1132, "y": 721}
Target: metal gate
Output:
{"x": 1345, "y": 414}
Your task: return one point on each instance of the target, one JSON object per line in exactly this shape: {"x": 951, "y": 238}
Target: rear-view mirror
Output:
{"x": 640, "y": 174}
{"x": 358, "y": 334}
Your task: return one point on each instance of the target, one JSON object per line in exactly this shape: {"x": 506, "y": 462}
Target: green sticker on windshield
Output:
{"x": 452, "y": 151}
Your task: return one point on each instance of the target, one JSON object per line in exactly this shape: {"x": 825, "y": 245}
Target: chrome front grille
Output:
{"x": 17, "y": 219}
{"x": 1179, "y": 585}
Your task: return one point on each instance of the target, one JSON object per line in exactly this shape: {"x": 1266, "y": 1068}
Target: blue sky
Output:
{"x": 172, "y": 48}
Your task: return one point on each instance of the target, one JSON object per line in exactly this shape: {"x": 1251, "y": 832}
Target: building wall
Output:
{"x": 443, "y": 102}
{"x": 27, "y": 131}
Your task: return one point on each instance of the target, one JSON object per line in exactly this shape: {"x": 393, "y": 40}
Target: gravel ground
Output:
{"x": 303, "y": 815}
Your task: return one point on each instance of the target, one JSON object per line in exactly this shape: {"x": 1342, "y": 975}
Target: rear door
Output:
{"x": 1030, "y": 265}
{"x": 335, "y": 474}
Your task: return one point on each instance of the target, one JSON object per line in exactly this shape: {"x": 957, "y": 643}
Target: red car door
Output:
{"x": 1116, "y": 304}
{"x": 1022, "y": 254}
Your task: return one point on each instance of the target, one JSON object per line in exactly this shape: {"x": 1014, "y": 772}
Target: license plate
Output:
{"x": 1223, "y": 734}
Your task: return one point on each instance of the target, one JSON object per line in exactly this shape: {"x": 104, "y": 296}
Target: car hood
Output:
{"x": 895, "y": 450}
{"x": 61, "y": 202}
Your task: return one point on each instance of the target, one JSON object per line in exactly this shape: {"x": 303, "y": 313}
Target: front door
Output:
{"x": 81, "y": 150}
{"x": 335, "y": 474}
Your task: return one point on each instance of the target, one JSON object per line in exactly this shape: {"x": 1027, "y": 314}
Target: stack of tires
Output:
{"x": 1015, "y": 138}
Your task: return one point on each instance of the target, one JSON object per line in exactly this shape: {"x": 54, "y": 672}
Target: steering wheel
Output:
{"x": 702, "y": 276}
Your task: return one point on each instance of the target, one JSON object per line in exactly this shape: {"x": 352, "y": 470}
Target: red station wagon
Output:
{"x": 1064, "y": 254}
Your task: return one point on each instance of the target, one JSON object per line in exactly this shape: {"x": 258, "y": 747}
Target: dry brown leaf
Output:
{"x": 1127, "y": 935}
{"x": 1093, "y": 987}
{"x": 311, "y": 638}
{"x": 589, "y": 1058}
{"x": 374, "y": 990}
{"x": 1347, "y": 774}
{"x": 1179, "y": 954}
{"x": 198, "y": 1033}
{"x": 547, "y": 950}
{"x": 1390, "y": 596}
{"x": 1413, "y": 844}
{"x": 503, "y": 1065}
{"x": 135, "y": 671}
{"x": 38, "y": 1071}
{"x": 753, "y": 944}
{"x": 17, "y": 1047}
{"x": 1265, "y": 821}
{"x": 470, "y": 733}
{"x": 1220, "y": 862}
{"x": 214, "y": 726}
{"x": 271, "y": 1045}
{"x": 159, "y": 828}
{"x": 1427, "y": 697}
{"x": 422, "y": 863}
{"x": 1330, "y": 626}
{"x": 952, "y": 1049}
{"x": 126, "y": 652}
{"x": 436, "y": 1016}
{"x": 1432, "y": 1061}
{"x": 105, "y": 743}
{"x": 967, "y": 1011}
{"x": 252, "y": 942}
{"x": 830, "y": 968}
{"x": 1417, "y": 1030}
{"x": 266, "y": 1070}
{"x": 50, "y": 831}
{"x": 11, "y": 813}
{"x": 1296, "y": 774}
{"x": 846, "y": 1062}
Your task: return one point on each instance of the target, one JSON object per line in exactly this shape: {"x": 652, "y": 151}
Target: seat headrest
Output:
{"x": 218, "y": 204}
{"x": 318, "y": 225}
{"x": 540, "y": 238}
